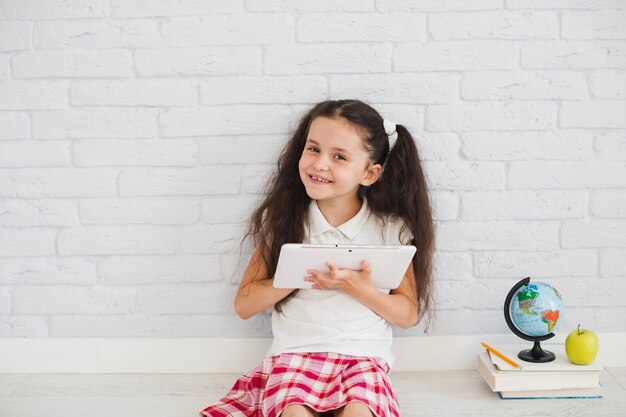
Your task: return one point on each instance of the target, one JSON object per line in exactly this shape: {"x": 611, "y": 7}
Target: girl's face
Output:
{"x": 334, "y": 162}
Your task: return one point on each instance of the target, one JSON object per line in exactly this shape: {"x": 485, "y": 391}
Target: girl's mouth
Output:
{"x": 319, "y": 180}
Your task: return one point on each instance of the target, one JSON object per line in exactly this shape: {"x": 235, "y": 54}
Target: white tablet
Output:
{"x": 389, "y": 263}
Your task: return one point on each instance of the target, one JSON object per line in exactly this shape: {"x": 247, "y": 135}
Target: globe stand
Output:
{"x": 536, "y": 354}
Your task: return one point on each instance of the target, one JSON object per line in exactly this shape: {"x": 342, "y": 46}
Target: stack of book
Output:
{"x": 556, "y": 379}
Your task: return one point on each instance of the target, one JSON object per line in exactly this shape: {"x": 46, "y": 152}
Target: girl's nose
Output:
{"x": 321, "y": 164}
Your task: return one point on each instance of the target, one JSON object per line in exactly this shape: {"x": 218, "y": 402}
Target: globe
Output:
{"x": 532, "y": 311}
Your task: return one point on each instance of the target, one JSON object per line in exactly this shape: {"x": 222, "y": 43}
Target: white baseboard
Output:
{"x": 448, "y": 352}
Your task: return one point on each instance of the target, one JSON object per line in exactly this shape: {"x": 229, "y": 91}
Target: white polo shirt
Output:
{"x": 331, "y": 320}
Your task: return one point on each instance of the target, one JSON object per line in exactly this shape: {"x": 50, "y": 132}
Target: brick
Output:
{"x": 613, "y": 262}
{"x": 15, "y": 125}
{"x": 510, "y": 146}
{"x": 47, "y": 271}
{"x": 574, "y": 55}
{"x": 523, "y": 205}
{"x": 4, "y": 66}
{"x": 241, "y": 149}
{"x": 142, "y": 270}
{"x": 41, "y": 213}
{"x": 263, "y": 89}
{"x": 187, "y": 299}
{"x": 45, "y": 9}
{"x": 225, "y": 120}
{"x": 27, "y": 153}
{"x": 73, "y": 300}
{"x": 166, "y": 8}
{"x": 611, "y": 145}
{"x": 111, "y": 240}
{"x": 5, "y": 300}
{"x": 92, "y": 64}
{"x": 603, "y": 318}
{"x": 96, "y": 34}
{"x": 24, "y": 326}
{"x": 27, "y": 242}
{"x": 160, "y": 326}
{"x": 565, "y": 4}
{"x": 212, "y": 239}
{"x": 307, "y": 6}
{"x": 477, "y": 321}
{"x": 58, "y": 183}
{"x": 566, "y": 175}
{"x": 15, "y": 36}
{"x": 327, "y": 58}
{"x": 599, "y": 24}
{"x": 437, "y": 5}
{"x": 34, "y": 95}
{"x": 481, "y": 294}
{"x": 455, "y": 55}
{"x": 128, "y": 152}
{"x": 445, "y": 205}
{"x": 493, "y": 25}
{"x": 491, "y": 116}
{"x": 601, "y": 114}
{"x": 594, "y": 234}
{"x": 608, "y": 84}
{"x": 139, "y": 211}
{"x": 397, "y": 88}
{"x": 255, "y": 178}
{"x": 608, "y": 203}
{"x": 95, "y": 122}
{"x": 237, "y": 209}
{"x": 505, "y": 235}
{"x": 609, "y": 293}
{"x": 136, "y": 92}
{"x": 524, "y": 85}
{"x": 540, "y": 265}
{"x": 238, "y": 29}
{"x": 465, "y": 176}
{"x": 216, "y": 179}
{"x": 361, "y": 27}
{"x": 453, "y": 266}
{"x": 199, "y": 61}
{"x": 442, "y": 146}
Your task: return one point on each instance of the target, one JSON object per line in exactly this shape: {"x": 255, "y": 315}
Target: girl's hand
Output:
{"x": 352, "y": 282}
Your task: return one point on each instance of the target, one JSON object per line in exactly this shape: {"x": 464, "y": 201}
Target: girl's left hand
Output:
{"x": 348, "y": 280}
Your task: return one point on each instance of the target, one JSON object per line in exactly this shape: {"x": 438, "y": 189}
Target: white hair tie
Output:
{"x": 390, "y": 130}
{"x": 390, "y": 127}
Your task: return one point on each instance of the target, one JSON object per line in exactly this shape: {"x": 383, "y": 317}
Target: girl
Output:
{"x": 339, "y": 181}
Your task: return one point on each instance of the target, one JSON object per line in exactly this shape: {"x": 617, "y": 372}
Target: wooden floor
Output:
{"x": 441, "y": 394}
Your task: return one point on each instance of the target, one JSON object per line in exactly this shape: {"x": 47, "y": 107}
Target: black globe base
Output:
{"x": 536, "y": 354}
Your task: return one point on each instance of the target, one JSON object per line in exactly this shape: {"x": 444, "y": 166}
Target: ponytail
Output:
{"x": 402, "y": 192}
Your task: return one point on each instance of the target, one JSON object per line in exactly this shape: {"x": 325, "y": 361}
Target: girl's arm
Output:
{"x": 256, "y": 293}
{"x": 399, "y": 307}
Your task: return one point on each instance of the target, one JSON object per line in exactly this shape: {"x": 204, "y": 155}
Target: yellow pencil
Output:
{"x": 500, "y": 355}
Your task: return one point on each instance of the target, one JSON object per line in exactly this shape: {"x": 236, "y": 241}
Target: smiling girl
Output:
{"x": 341, "y": 179}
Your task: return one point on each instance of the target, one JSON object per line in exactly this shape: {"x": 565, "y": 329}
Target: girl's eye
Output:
{"x": 340, "y": 157}
{"x": 313, "y": 149}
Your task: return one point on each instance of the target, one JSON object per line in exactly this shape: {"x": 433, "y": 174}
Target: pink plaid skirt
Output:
{"x": 322, "y": 381}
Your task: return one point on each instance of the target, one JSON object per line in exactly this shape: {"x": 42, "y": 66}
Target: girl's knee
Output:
{"x": 297, "y": 410}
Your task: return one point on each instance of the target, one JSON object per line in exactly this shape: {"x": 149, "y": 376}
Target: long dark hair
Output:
{"x": 401, "y": 192}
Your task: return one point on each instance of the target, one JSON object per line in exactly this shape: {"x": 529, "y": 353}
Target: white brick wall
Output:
{"x": 136, "y": 135}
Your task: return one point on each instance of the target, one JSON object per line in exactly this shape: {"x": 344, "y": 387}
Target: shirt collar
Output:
{"x": 351, "y": 228}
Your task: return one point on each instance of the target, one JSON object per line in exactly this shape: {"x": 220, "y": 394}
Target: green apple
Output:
{"x": 581, "y": 346}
